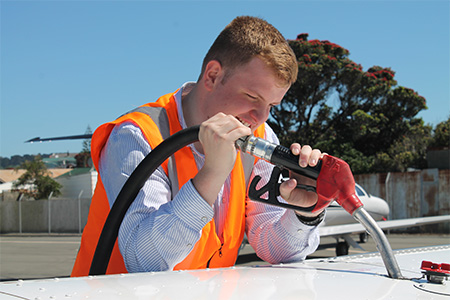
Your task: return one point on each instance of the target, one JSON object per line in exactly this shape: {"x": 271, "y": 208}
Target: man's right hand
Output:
{"x": 217, "y": 137}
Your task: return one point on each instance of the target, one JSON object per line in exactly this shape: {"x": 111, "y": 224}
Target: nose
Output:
{"x": 260, "y": 114}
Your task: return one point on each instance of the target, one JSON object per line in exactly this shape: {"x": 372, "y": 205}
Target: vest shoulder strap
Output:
{"x": 159, "y": 117}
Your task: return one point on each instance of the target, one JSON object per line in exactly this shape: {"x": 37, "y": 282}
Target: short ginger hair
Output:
{"x": 247, "y": 37}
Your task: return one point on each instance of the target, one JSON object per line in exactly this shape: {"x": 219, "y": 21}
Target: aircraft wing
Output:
{"x": 350, "y": 277}
{"x": 58, "y": 138}
{"x": 338, "y": 230}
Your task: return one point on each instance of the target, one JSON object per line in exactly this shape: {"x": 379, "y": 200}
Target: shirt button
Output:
{"x": 204, "y": 219}
{"x": 189, "y": 245}
{"x": 299, "y": 231}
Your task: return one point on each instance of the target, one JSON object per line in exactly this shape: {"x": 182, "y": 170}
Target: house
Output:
{"x": 78, "y": 182}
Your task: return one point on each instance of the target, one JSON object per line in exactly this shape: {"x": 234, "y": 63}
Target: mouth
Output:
{"x": 244, "y": 122}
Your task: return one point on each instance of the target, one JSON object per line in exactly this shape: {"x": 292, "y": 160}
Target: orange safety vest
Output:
{"x": 208, "y": 251}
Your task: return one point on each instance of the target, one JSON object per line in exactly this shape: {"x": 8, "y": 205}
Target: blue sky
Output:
{"x": 67, "y": 65}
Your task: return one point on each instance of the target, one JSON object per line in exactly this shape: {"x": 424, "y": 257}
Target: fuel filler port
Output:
{"x": 436, "y": 273}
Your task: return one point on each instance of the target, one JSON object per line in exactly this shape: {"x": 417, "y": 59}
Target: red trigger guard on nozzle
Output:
{"x": 336, "y": 182}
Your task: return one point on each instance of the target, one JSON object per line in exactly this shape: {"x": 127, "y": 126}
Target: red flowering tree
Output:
{"x": 338, "y": 107}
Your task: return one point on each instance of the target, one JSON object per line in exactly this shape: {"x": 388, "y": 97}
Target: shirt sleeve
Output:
{"x": 275, "y": 233}
{"x": 157, "y": 232}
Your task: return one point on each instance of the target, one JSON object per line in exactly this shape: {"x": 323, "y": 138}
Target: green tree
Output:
{"x": 350, "y": 113}
{"x": 408, "y": 151}
{"x": 441, "y": 135}
{"x": 83, "y": 158}
{"x": 36, "y": 182}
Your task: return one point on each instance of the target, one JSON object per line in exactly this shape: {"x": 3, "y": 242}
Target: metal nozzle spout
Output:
{"x": 257, "y": 147}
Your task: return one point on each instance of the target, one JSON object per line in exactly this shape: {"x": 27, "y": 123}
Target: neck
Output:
{"x": 191, "y": 101}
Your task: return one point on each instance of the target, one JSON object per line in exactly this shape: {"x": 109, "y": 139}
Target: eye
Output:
{"x": 252, "y": 97}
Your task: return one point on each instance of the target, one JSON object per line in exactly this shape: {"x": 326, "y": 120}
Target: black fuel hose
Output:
{"x": 131, "y": 189}
{"x": 274, "y": 154}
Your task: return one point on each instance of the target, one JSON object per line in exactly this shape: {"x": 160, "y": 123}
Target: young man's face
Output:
{"x": 248, "y": 94}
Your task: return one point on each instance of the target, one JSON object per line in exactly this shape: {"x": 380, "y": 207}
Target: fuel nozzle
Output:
{"x": 277, "y": 155}
{"x": 333, "y": 175}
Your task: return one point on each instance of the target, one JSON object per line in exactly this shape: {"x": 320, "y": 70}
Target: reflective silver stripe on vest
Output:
{"x": 247, "y": 162}
{"x": 159, "y": 116}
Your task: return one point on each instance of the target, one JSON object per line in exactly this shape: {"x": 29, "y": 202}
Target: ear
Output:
{"x": 213, "y": 74}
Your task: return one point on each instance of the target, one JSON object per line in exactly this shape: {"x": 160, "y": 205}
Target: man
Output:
{"x": 193, "y": 211}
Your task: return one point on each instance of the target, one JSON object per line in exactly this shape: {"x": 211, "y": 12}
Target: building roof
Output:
{"x": 56, "y": 161}
{"x": 9, "y": 175}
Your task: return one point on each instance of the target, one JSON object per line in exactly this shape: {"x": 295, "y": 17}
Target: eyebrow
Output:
{"x": 261, "y": 97}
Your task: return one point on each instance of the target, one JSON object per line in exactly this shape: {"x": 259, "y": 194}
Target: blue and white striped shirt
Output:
{"x": 158, "y": 232}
